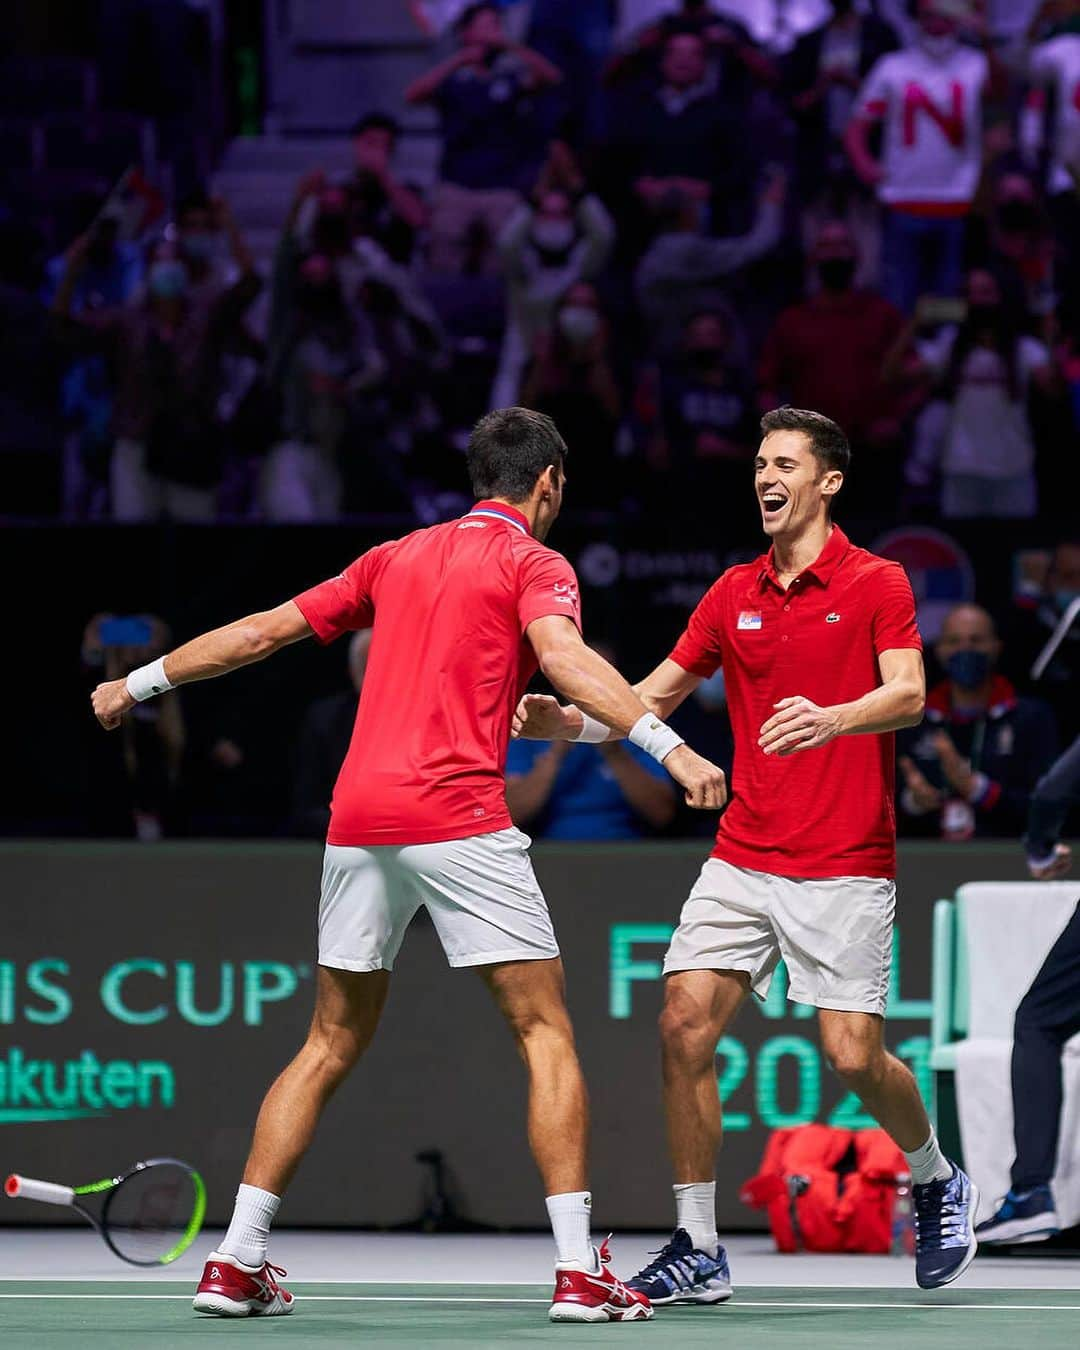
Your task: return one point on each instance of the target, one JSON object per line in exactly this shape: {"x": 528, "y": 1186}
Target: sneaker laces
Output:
{"x": 668, "y": 1255}
{"x": 268, "y": 1272}
{"x": 939, "y": 1213}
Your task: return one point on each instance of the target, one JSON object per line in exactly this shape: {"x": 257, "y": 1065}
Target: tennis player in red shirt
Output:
{"x": 822, "y": 662}
{"x": 462, "y": 614}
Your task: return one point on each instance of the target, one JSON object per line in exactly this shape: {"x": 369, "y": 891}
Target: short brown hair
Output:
{"x": 828, "y": 443}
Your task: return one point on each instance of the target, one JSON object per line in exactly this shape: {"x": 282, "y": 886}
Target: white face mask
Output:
{"x": 938, "y": 45}
{"x": 578, "y": 324}
{"x": 554, "y": 236}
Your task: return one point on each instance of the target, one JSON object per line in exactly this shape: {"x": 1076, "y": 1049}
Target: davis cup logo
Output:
{"x": 939, "y": 570}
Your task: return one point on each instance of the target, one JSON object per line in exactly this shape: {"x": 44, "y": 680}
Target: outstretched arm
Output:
{"x": 542, "y": 718}
{"x": 214, "y": 653}
{"x": 598, "y": 690}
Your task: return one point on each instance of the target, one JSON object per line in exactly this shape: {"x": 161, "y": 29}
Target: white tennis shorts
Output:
{"x": 481, "y": 893}
{"x": 835, "y": 936}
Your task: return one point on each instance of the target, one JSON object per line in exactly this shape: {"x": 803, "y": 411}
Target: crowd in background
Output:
{"x": 653, "y": 234}
{"x": 653, "y": 240}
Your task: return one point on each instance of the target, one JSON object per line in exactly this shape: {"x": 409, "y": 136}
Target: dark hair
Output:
{"x": 508, "y": 451}
{"x": 471, "y": 11}
{"x": 827, "y": 442}
{"x": 378, "y": 121}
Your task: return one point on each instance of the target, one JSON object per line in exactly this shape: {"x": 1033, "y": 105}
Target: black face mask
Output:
{"x": 705, "y": 358}
{"x": 984, "y": 316}
{"x": 321, "y": 303}
{"x": 331, "y": 232}
{"x": 836, "y": 273}
{"x": 1017, "y": 217}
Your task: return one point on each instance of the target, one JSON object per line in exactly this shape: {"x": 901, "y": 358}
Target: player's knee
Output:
{"x": 686, "y": 1035}
{"x": 533, "y": 1025}
{"x": 856, "y": 1062}
{"x": 335, "y": 1049}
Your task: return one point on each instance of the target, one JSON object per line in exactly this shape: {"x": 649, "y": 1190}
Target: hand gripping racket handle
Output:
{"x": 48, "y": 1192}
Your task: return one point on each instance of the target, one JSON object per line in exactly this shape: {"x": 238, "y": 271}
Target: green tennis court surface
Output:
{"x": 157, "y": 1316}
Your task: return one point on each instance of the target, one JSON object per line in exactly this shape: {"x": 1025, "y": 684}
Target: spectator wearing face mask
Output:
{"x": 490, "y": 137}
{"x": 202, "y": 224}
{"x": 571, "y": 379}
{"x": 168, "y": 350}
{"x": 1017, "y": 244}
{"x": 562, "y": 236}
{"x": 969, "y": 770}
{"x": 109, "y": 280}
{"x": 1032, "y": 626}
{"x": 685, "y": 270}
{"x": 708, "y": 423}
{"x": 828, "y": 353}
{"x": 330, "y": 358}
{"x": 930, "y": 97}
{"x": 983, "y": 371}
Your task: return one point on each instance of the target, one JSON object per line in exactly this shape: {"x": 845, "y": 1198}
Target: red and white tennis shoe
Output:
{"x": 584, "y": 1295}
{"x": 230, "y": 1289}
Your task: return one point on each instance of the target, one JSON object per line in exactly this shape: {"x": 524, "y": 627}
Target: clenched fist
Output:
{"x": 110, "y": 701}
{"x": 705, "y": 785}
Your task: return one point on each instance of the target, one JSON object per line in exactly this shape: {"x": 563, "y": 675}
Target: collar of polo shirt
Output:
{"x": 821, "y": 569}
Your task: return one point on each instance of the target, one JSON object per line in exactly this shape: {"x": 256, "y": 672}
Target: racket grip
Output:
{"x": 48, "y": 1192}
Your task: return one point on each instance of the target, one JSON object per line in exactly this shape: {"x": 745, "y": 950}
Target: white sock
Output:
{"x": 570, "y": 1214}
{"x": 695, "y": 1210}
{"x": 249, "y": 1230}
{"x": 929, "y": 1163}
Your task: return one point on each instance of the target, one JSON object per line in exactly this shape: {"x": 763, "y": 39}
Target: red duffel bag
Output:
{"x": 827, "y": 1189}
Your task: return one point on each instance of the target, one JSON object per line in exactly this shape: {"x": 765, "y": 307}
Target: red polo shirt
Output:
{"x": 827, "y": 812}
{"x": 449, "y": 660}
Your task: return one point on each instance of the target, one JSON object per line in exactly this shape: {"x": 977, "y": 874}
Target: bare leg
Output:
{"x": 531, "y": 996}
{"x": 347, "y": 1009}
{"x": 698, "y": 1006}
{"x": 854, "y": 1045}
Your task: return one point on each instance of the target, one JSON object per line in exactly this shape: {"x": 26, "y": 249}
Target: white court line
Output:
{"x": 738, "y": 1303}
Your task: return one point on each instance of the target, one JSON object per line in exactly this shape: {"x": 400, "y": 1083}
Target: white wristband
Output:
{"x": 656, "y": 738}
{"x": 592, "y": 732}
{"x": 148, "y": 680}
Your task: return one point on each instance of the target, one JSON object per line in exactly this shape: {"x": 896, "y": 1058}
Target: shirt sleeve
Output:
{"x": 699, "y": 649}
{"x": 547, "y": 585}
{"x": 873, "y": 98}
{"x": 894, "y": 624}
{"x": 345, "y": 602}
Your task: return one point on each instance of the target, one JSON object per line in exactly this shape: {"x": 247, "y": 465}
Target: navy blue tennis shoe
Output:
{"x": 1023, "y": 1216}
{"x": 681, "y": 1273}
{"x": 945, "y": 1242}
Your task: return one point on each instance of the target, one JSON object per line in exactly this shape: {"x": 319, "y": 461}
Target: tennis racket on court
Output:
{"x": 150, "y": 1215}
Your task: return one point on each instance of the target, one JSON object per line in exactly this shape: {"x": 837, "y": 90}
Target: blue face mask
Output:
{"x": 167, "y": 279}
{"x": 198, "y": 245}
{"x": 968, "y": 669}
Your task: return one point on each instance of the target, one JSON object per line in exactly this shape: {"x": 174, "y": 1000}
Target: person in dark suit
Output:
{"x": 1048, "y": 1016}
{"x": 324, "y": 738}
